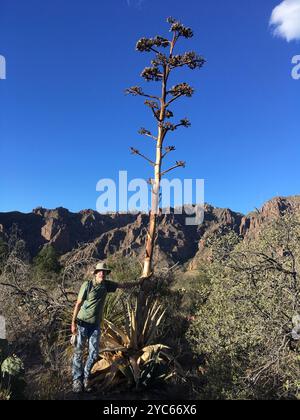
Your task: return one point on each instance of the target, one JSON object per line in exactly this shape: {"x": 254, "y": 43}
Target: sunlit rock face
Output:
{"x": 124, "y": 233}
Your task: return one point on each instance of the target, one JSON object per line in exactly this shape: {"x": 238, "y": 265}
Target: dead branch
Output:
{"x": 179, "y": 164}
{"x": 136, "y": 152}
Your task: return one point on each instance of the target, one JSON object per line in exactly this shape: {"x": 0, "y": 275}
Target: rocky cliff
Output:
{"x": 124, "y": 234}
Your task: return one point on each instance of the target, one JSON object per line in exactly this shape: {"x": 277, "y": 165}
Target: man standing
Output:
{"x": 86, "y": 322}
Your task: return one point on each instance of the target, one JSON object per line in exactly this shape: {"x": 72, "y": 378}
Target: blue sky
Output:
{"x": 65, "y": 122}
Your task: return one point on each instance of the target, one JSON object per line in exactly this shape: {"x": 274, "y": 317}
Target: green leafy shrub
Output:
{"x": 13, "y": 367}
{"x": 12, "y": 378}
{"x": 124, "y": 269}
{"x": 244, "y": 328}
{"x": 3, "y": 252}
{"x": 47, "y": 261}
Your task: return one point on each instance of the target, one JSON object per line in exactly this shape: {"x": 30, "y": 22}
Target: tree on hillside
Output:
{"x": 162, "y": 65}
{"x": 47, "y": 261}
{"x": 3, "y": 252}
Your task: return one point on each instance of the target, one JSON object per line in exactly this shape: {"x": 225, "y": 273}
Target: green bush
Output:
{"x": 3, "y": 252}
{"x": 47, "y": 261}
{"x": 244, "y": 328}
{"x": 124, "y": 269}
{"x": 12, "y": 383}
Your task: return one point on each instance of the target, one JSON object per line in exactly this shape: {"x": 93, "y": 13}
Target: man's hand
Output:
{"x": 75, "y": 313}
{"x": 144, "y": 278}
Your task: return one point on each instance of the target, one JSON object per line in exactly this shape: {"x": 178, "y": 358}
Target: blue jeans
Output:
{"x": 90, "y": 334}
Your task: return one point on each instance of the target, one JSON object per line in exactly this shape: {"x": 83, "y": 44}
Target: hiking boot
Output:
{"x": 77, "y": 387}
{"x": 87, "y": 386}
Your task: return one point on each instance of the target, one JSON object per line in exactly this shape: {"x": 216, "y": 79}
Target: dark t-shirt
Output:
{"x": 93, "y": 297}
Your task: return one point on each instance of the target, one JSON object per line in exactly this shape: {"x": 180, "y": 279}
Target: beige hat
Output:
{"x": 101, "y": 266}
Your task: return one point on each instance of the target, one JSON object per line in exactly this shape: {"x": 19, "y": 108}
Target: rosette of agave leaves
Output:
{"x": 130, "y": 354}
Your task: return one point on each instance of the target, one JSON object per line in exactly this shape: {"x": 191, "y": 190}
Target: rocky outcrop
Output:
{"x": 124, "y": 234}
{"x": 252, "y": 224}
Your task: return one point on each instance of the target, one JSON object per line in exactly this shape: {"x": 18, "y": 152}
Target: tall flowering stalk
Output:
{"x": 160, "y": 69}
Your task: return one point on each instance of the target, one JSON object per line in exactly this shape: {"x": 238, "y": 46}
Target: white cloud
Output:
{"x": 286, "y": 20}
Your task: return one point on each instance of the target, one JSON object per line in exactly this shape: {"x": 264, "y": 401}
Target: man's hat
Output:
{"x": 101, "y": 267}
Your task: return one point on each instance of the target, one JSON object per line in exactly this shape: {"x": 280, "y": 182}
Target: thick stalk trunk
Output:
{"x": 150, "y": 242}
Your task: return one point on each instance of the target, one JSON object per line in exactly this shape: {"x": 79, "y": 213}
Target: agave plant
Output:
{"x": 130, "y": 354}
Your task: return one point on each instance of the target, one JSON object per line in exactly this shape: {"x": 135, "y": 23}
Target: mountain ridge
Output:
{"x": 124, "y": 233}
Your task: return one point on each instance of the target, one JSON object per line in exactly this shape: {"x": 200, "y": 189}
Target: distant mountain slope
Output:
{"x": 124, "y": 234}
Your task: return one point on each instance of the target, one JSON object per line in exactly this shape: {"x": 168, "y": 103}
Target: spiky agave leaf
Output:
{"x": 132, "y": 314}
{"x": 154, "y": 310}
{"x": 110, "y": 338}
{"x": 101, "y": 367}
{"x": 153, "y": 328}
{"x": 136, "y": 370}
{"x": 149, "y": 351}
{"x": 154, "y": 371}
{"x": 118, "y": 332}
{"x": 108, "y": 378}
{"x": 132, "y": 349}
{"x": 113, "y": 309}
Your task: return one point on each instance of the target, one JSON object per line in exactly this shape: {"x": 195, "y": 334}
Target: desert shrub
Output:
{"x": 47, "y": 261}
{"x": 244, "y": 327}
{"x": 35, "y": 317}
{"x": 124, "y": 269}
{"x": 12, "y": 381}
{"x": 13, "y": 377}
{"x": 3, "y": 252}
{"x": 192, "y": 288}
{"x": 48, "y": 384}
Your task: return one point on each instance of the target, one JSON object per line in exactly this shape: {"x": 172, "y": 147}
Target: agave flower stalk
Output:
{"x": 161, "y": 67}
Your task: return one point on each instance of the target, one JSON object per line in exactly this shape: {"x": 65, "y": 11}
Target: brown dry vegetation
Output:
{"x": 224, "y": 330}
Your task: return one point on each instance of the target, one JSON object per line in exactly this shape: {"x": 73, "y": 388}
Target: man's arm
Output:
{"x": 81, "y": 298}
{"x": 75, "y": 314}
{"x": 133, "y": 284}
{"x": 128, "y": 285}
